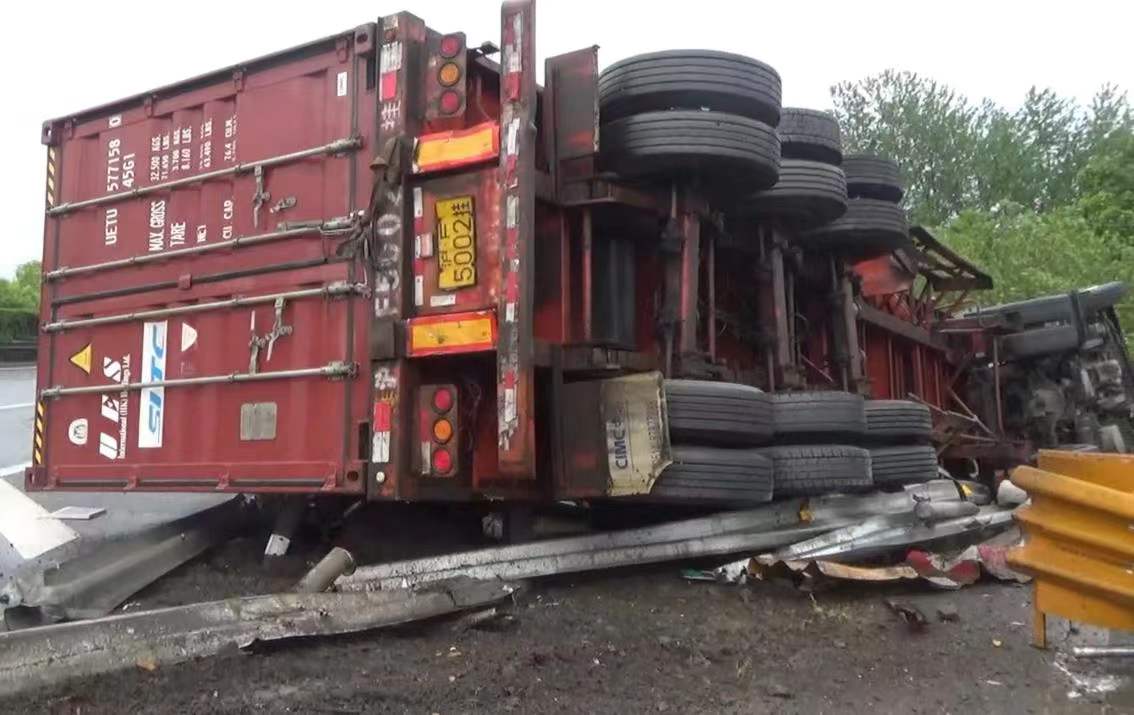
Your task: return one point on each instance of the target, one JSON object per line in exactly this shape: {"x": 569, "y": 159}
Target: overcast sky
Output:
{"x": 62, "y": 59}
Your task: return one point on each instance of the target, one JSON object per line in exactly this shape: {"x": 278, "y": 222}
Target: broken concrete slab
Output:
{"x": 48, "y": 655}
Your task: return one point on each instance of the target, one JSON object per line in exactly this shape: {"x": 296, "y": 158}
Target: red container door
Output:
{"x": 206, "y": 309}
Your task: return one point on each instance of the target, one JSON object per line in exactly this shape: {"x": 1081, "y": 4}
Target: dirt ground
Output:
{"x": 644, "y": 640}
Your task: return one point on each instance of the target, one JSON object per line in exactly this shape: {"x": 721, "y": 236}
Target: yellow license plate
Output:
{"x": 456, "y": 243}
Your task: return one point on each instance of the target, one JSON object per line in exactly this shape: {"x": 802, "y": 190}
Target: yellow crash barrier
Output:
{"x": 1079, "y": 538}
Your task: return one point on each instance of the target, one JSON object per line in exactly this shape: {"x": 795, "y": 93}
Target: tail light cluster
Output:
{"x": 448, "y": 62}
{"x": 439, "y": 429}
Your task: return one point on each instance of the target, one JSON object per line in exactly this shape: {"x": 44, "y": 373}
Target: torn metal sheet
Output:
{"x": 880, "y": 535}
{"x": 93, "y": 584}
{"x": 993, "y": 556}
{"x": 36, "y": 657}
{"x": 951, "y": 571}
{"x": 816, "y": 575}
{"x": 846, "y": 572}
{"x": 77, "y": 513}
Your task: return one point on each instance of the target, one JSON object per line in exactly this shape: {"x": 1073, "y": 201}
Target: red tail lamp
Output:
{"x": 442, "y": 461}
{"x": 450, "y": 102}
{"x": 450, "y": 46}
{"x": 443, "y": 400}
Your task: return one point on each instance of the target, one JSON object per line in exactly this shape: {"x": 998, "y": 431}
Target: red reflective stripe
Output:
{"x": 512, "y": 82}
{"x": 389, "y": 86}
{"x": 383, "y": 416}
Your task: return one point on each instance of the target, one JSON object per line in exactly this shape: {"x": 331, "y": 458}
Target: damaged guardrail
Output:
{"x": 35, "y": 657}
{"x": 753, "y": 530}
{"x": 92, "y": 583}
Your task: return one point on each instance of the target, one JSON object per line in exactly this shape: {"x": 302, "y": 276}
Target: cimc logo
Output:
{"x": 151, "y": 414}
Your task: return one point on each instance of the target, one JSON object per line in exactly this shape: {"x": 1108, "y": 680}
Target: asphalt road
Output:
{"x": 17, "y": 410}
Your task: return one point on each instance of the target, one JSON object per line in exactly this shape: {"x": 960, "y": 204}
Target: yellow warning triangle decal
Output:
{"x": 82, "y": 359}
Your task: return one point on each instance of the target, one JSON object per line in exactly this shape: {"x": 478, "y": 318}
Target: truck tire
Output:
{"x": 897, "y": 420}
{"x": 903, "y": 465}
{"x": 819, "y": 469}
{"x": 690, "y": 79}
{"x": 869, "y": 227}
{"x": 725, "y": 149}
{"x": 808, "y": 193}
{"x": 811, "y": 135}
{"x": 872, "y": 177}
{"x": 1056, "y": 308}
{"x": 715, "y": 475}
{"x": 811, "y": 415}
{"x": 723, "y": 413}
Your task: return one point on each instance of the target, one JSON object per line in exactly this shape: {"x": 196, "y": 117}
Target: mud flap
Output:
{"x": 637, "y": 433}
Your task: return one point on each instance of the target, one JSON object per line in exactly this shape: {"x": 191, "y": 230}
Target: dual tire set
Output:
{"x": 715, "y": 119}
{"x": 735, "y": 445}
{"x": 698, "y": 115}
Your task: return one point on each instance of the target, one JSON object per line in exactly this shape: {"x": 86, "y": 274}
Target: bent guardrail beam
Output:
{"x": 1078, "y": 539}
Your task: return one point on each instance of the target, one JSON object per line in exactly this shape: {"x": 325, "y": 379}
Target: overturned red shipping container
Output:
{"x": 386, "y": 264}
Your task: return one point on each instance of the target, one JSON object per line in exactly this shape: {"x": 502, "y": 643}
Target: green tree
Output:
{"x": 1107, "y": 187}
{"x": 956, "y": 155}
{"x": 19, "y": 303}
{"x": 1029, "y": 254}
{"x": 925, "y": 125}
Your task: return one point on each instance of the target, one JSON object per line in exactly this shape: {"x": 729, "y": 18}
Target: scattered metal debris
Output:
{"x": 337, "y": 562}
{"x": 909, "y": 613}
{"x": 948, "y": 613}
{"x": 36, "y": 657}
{"x": 753, "y": 530}
{"x": 1108, "y": 651}
{"x": 930, "y": 512}
{"x": 880, "y": 535}
{"x": 77, "y": 513}
{"x": 1008, "y": 494}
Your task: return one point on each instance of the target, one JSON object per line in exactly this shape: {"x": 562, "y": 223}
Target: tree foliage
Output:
{"x": 19, "y": 303}
{"x": 1107, "y": 188}
{"x": 958, "y": 155}
{"x": 1042, "y": 196}
{"x": 1030, "y": 254}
